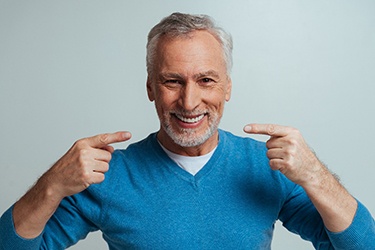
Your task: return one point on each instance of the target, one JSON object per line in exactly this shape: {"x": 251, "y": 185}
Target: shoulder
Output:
{"x": 243, "y": 151}
{"x": 244, "y": 145}
{"x": 230, "y": 137}
{"x": 135, "y": 151}
{"x": 126, "y": 162}
{"x": 249, "y": 156}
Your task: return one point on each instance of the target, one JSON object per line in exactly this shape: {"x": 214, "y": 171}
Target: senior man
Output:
{"x": 190, "y": 185}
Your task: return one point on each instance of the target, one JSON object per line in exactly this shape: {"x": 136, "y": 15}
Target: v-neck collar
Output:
{"x": 167, "y": 162}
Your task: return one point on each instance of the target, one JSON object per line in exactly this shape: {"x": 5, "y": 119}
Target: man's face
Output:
{"x": 189, "y": 86}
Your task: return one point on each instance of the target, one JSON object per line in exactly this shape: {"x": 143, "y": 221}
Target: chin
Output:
{"x": 189, "y": 137}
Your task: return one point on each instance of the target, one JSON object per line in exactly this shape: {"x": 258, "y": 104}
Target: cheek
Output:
{"x": 216, "y": 100}
{"x": 164, "y": 101}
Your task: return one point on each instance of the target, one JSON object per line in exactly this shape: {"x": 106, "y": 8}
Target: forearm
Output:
{"x": 333, "y": 202}
{"x": 289, "y": 153}
{"x": 35, "y": 208}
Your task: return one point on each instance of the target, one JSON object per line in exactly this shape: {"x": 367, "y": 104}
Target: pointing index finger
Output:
{"x": 102, "y": 140}
{"x": 266, "y": 129}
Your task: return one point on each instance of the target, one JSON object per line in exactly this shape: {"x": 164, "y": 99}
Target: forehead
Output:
{"x": 198, "y": 49}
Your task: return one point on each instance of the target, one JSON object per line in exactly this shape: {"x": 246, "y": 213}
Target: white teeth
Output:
{"x": 190, "y": 120}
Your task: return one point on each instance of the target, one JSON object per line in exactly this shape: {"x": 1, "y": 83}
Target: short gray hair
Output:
{"x": 179, "y": 24}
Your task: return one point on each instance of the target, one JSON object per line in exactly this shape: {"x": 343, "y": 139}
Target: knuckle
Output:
{"x": 105, "y": 167}
{"x": 80, "y": 143}
{"x": 274, "y": 165}
{"x": 84, "y": 165}
{"x": 289, "y": 163}
{"x": 85, "y": 176}
{"x": 86, "y": 185}
{"x": 103, "y": 138}
{"x": 290, "y": 152}
{"x": 100, "y": 178}
{"x": 285, "y": 167}
{"x": 295, "y": 131}
{"x": 268, "y": 154}
{"x": 82, "y": 160}
{"x": 108, "y": 156}
{"x": 271, "y": 129}
{"x": 83, "y": 152}
{"x": 284, "y": 170}
{"x": 291, "y": 142}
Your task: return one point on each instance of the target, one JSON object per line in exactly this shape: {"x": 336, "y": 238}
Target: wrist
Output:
{"x": 316, "y": 178}
{"x": 333, "y": 202}
{"x": 50, "y": 188}
{"x": 33, "y": 210}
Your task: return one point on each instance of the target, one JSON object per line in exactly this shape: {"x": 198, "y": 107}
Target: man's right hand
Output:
{"x": 84, "y": 164}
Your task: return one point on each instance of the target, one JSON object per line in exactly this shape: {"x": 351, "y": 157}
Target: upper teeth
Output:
{"x": 190, "y": 120}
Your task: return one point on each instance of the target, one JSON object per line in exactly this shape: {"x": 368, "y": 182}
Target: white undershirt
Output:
{"x": 191, "y": 164}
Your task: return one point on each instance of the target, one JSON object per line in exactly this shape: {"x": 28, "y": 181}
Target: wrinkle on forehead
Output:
{"x": 198, "y": 55}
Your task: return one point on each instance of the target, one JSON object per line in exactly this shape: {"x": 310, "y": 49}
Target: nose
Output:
{"x": 190, "y": 96}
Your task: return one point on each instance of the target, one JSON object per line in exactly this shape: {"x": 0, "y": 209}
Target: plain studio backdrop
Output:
{"x": 72, "y": 69}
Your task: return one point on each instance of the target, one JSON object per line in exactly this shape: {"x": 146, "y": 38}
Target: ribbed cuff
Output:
{"x": 359, "y": 235}
{"x": 9, "y": 239}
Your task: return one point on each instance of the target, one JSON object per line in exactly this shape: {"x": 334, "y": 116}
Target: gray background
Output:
{"x": 71, "y": 69}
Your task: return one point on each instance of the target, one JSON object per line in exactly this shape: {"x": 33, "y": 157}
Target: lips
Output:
{"x": 190, "y": 119}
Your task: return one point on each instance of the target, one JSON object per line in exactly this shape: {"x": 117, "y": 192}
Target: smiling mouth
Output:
{"x": 190, "y": 120}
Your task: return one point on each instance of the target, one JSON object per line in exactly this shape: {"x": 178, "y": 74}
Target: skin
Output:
{"x": 289, "y": 154}
{"x": 84, "y": 164}
{"x": 190, "y": 78}
{"x": 190, "y": 82}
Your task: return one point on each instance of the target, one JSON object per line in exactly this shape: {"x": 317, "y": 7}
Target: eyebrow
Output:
{"x": 170, "y": 75}
{"x": 210, "y": 73}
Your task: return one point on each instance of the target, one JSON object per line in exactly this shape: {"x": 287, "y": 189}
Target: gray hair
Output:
{"x": 178, "y": 24}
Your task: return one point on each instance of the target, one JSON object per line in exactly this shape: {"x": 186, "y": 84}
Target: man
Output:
{"x": 190, "y": 185}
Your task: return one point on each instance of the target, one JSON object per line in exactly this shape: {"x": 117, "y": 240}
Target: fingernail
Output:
{"x": 247, "y": 128}
{"x": 126, "y": 135}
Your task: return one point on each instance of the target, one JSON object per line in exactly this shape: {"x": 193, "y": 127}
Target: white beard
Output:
{"x": 188, "y": 137}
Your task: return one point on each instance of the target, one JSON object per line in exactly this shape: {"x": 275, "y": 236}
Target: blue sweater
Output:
{"x": 148, "y": 202}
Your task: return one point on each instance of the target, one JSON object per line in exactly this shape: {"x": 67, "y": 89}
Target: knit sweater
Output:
{"x": 148, "y": 202}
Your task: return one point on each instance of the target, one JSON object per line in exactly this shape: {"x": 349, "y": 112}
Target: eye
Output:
{"x": 172, "y": 81}
{"x": 206, "y": 81}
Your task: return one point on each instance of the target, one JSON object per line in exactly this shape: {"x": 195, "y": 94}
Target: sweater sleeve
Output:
{"x": 65, "y": 228}
{"x": 301, "y": 217}
{"x": 359, "y": 235}
{"x": 9, "y": 239}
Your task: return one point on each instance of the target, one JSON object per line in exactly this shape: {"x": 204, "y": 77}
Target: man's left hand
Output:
{"x": 288, "y": 152}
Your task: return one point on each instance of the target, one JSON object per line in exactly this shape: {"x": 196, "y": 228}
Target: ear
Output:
{"x": 150, "y": 90}
{"x": 228, "y": 90}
